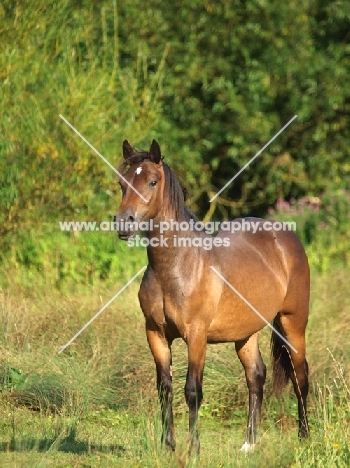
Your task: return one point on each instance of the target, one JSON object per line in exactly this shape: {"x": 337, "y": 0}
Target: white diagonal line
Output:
{"x": 253, "y": 309}
{"x": 257, "y": 154}
{"x": 100, "y": 311}
{"x": 103, "y": 158}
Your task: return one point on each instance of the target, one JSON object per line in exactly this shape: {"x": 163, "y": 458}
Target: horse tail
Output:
{"x": 282, "y": 366}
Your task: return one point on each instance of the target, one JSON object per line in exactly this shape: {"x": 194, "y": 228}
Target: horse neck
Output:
{"x": 170, "y": 256}
{"x": 163, "y": 258}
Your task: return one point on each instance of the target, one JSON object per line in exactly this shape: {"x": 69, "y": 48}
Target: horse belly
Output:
{"x": 235, "y": 325}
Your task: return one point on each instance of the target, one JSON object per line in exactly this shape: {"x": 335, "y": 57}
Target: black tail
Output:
{"x": 281, "y": 361}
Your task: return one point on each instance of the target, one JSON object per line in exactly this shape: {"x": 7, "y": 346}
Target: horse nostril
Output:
{"x": 131, "y": 219}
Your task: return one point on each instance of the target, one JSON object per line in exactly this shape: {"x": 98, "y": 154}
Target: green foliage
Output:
{"x": 213, "y": 86}
{"x": 236, "y": 73}
{"x": 67, "y": 259}
{"x": 11, "y": 378}
{"x": 58, "y": 59}
{"x": 323, "y": 225}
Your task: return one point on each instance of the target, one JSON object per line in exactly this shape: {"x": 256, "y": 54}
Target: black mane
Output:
{"x": 176, "y": 195}
{"x": 136, "y": 158}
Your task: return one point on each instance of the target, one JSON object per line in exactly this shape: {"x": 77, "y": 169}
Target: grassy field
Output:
{"x": 96, "y": 404}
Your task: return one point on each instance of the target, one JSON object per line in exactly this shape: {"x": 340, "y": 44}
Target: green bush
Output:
{"x": 58, "y": 58}
{"x": 323, "y": 225}
{"x": 67, "y": 259}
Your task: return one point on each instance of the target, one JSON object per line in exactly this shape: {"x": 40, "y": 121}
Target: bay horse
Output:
{"x": 182, "y": 296}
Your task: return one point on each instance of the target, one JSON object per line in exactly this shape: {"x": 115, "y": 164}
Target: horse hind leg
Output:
{"x": 255, "y": 372}
{"x": 291, "y": 363}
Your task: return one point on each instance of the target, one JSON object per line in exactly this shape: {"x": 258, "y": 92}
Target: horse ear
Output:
{"x": 127, "y": 150}
{"x": 154, "y": 152}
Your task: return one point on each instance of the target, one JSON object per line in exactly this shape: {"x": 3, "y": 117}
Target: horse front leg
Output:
{"x": 196, "y": 343}
{"x": 160, "y": 348}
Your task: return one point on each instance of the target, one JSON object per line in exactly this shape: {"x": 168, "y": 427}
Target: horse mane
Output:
{"x": 176, "y": 195}
{"x": 172, "y": 189}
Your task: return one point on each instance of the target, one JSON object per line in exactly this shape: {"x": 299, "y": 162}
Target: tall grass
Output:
{"x": 99, "y": 397}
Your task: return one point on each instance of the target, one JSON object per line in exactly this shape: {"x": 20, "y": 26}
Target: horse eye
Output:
{"x": 153, "y": 183}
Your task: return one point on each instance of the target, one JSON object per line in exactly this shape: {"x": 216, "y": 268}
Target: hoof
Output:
{"x": 194, "y": 448}
{"x": 169, "y": 445}
{"x": 247, "y": 447}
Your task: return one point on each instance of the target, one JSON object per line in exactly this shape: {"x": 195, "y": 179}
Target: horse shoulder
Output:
{"x": 151, "y": 298}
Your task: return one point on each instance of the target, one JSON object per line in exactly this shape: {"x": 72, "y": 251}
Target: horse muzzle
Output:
{"x": 125, "y": 226}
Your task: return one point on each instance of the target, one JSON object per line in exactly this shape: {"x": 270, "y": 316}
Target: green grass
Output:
{"x": 96, "y": 404}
